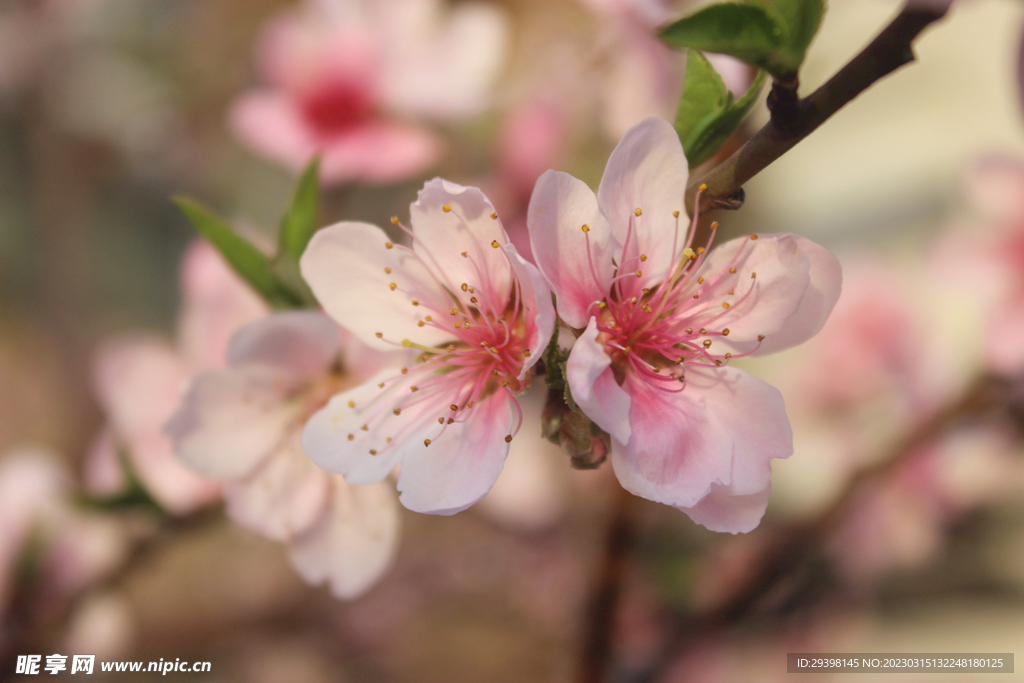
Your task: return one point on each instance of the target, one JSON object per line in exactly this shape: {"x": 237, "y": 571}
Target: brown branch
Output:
{"x": 793, "y": 120}
{"x": 802, "y": 543}
{"x": 599, "y": 620}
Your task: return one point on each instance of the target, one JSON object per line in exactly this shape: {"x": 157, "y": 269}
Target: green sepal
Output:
{"x": 251, "y": 264}
{"x": 301, "y": 221}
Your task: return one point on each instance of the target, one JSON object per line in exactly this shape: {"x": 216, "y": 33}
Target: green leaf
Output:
{"x": 300, "y": 222}
{"x": 802, "y": 19}
{"x": 754, "y": 33}
{"x": 251, "y": 264}
{"x": 704, "y": 97}
{"x": 712, "y": 132}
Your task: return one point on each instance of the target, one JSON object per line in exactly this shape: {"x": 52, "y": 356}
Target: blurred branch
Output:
{"x": 599, "y": 619}
{"x": 28, "y": 618}
{"x": 794, "y": 119}
{"x": 803, "y": 543}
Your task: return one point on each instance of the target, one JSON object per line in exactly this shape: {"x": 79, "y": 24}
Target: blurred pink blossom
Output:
{"x": 686, "y": 429}
{"x": 138, "y": 379}
{"x": 241, "y": 425}
{"x": 38, "y": 515}
{"x": 347, "y": 79}
{"x": 479, "y": 314}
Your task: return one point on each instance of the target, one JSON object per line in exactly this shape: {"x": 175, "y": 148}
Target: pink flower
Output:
{"x": 479, "y": 314}
{"x": 341, "y": 73}
{"x": 138, "y": 379}
{"x": 36, "y": 505}
{"x": 241, "y": 425}
{"x": 996, "y": 187}
{"x": 658, "y": 322}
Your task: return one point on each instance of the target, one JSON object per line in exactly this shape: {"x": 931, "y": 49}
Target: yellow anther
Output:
{"x": 632, "y": 299}
{"x": 465, "y": 324}
{"x": 639, "y": 274}
{"x": 465, "y": 287}
{"x": 365, "y": 428}
{"x": 450, "y": 420}
{"x": 420, "y": 324}
{"x": 351, "y": 404}
{"x": 643, "y": 257}
{"x": 700, "y": 280}
{"x": 728, "y": 355}
{"x": 426, "y": 442}
{"x": 389, "y": 245}
{"x": 707, "y": 343}
{"x": 428, "y": 319}
{"x": 397, "y": 411}
{"x": 504, "y": 383}
{"x": 725, "y": 304}
{"x": 440, "y": 420}
{"x": 415, "y": 302}
{"x": 675, "y": 214}
{"x": 732, "y": 270}
{"x": 381, "y": 385}
{"x": 601, "y": 305}
{"x": 388, "y": 440}
{"x": 760, "y": 337}
{"x": 753, "y": 237}
{"x": 527, "y": 353}
{"x": 646, "y": 290}
{"x": 394, "y": 220}
{"x": 414, "y": 388}
{"x": 387, "y": 270}
{"x": 454, "y": 311}
{"x": 351, "y": 437}
{"x": 494, "y": 243}
{"x": 465, "y": 254}
{"x": 703, "y": 331}
{"x": 451, "y": 348}
{"x": 454, "y": 408}
{"x": 493, "y": 350}
{"x": 703, "y": 187}
{"x": 472, "y": 300}
{"x": 405, "y": 371}
{"x": 725, "y": 332}
{"x": 373, "y": 451}
{"x": 585, "y": 228}
{"x": 714, "y": 225}
{"x": 637, "y": 211}
{"x": 494, "y": 215}
{"x": 753, "y": 276}
{"x": 689, "y": 330}
{"x": 380, "y": 335}
{"x": 446, "y": 208}
{"x": 393, "y": 286}
{"x": 700, "y": 250}
{"x": 508, "y": 439}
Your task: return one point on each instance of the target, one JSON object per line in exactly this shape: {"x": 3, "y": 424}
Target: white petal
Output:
{"x": 725, "y": 512}
{"x": 441, "y": 237}
{"x": 538, "y": 312}
{"x": 593, "y": 385}
{"x": 559, "y": 208}
{"x": 354, "y": 544}
{"x": 284, "y": 497}
{"x": 303, "y": 343}
{"x": 230, "y": 420}
{"x": 647, "y": 171}
{"x": 345, "y": 266}
{"x": 461, "y": 465}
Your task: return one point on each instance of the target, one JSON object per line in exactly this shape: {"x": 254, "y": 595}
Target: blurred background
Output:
{"x": 108, "y": 108}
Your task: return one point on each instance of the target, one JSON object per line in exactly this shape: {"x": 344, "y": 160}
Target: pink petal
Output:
{"x": 301, "y": 343}
{"x": 137, "y": 382}
{"x": 559, "y": 207}
{"x": 354, "y": 544}
{"x": 468, "y": 226}
{"x": 723, "y": 428}
{"x": 378, "y": 152}
{"x": 725, "y": 512}
{"x": 325, "y": 437}
{"x": 231, "y": 420}
{"x": 460, "y": 468}
{"x": 345, "y": 266}
{"x": 593, "y": 385}
{"x": 539, "y": 313}
{"x": 216, "y": 304}
{"x": 270, "y": 123}
{"x": 796, "y": 287}
{"x": 647, "y": 171}
{"x": 284, "y": 497}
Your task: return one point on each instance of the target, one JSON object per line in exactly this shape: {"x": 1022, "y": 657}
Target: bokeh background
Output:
{"x": 110, "y": 107}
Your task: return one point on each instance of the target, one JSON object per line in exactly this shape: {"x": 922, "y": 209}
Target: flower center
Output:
{"x": 338, "y": 106}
